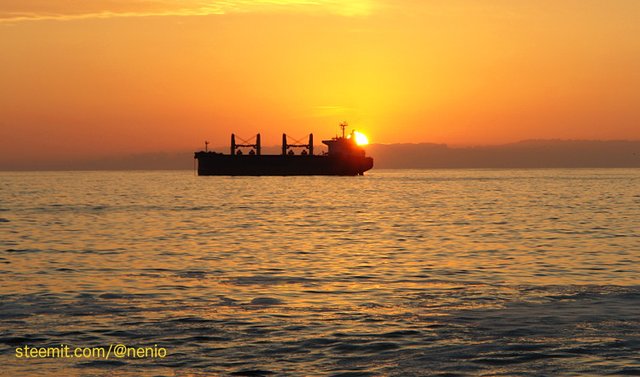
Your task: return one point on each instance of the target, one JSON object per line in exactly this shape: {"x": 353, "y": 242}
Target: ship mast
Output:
{"x": 343, "y": 125}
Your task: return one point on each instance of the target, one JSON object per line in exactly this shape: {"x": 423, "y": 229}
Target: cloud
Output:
{"x": 66, "y": 10}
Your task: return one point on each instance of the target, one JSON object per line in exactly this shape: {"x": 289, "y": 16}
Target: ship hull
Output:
{"x": 210, "y": 163}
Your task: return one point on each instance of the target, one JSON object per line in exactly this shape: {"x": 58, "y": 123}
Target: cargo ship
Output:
{"x": 344, "y": 157}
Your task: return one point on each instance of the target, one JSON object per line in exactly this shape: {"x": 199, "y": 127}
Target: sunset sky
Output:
{"x": 98, "y": 78}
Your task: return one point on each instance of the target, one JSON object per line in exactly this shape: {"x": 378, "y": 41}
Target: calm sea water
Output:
{"x": 397, "y": 273}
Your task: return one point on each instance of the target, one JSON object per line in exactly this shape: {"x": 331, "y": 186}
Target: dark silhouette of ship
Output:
{"x": 345, "y": 157}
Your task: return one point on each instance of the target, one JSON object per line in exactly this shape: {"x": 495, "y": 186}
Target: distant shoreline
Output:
{"x": 531, "y": 154}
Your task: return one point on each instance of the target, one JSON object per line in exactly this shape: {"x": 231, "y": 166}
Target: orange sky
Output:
{"x": 112, "y": 77}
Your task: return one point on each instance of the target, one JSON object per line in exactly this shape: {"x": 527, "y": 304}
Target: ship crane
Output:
{"x": 235, "y": 148}
{"x": 286, "y": 147}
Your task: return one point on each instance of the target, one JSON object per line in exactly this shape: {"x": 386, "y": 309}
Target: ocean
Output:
{"x": 395, "y": 273}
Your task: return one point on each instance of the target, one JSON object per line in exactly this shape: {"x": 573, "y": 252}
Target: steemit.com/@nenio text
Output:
{"x": 117, "y": 351}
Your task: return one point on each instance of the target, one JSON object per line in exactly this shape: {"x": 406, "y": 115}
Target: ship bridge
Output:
{"x": 344, "y": 146}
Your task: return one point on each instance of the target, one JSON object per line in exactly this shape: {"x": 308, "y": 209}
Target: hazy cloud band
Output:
{"x": 68, "y": 10}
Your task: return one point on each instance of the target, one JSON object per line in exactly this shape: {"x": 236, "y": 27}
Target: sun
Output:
{"x": 361, "y": 139}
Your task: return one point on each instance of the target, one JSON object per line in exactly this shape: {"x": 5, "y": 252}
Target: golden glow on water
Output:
{"x": 382, "y": 268}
